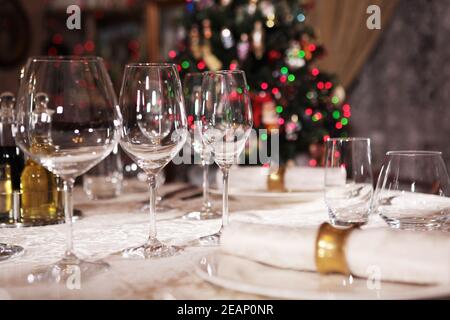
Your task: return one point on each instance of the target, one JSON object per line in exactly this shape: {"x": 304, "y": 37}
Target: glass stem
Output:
{"x": 152, "y": 183}
{"x": 68, "y": 212}
{"x": 206, "y": 203}
{"x": 225, "y": 197}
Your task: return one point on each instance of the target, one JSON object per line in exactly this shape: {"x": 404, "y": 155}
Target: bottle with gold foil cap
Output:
{"x": 38, "y": 185}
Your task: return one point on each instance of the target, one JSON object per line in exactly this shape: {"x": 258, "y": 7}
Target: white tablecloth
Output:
{"x": 111, "y": 225}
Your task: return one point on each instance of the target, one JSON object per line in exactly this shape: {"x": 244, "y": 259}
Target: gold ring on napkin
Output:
{"x": 330, "y": 249}
{"x": 275, "y": 180}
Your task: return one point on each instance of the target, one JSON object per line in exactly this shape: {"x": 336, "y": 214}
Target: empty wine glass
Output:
{"x": 348, "y": 180}
{"x": 192, "y": 89}
{"x": 225, "y": 121}
{"x": 413, "y": 190}
{"x": 67, "y": 120}
{"x": 154, "y": 131}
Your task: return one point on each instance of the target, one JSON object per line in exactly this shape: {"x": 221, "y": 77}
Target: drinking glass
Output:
{"x": 154, "y": 131}
{"x": 105, "y": 180}
{"x": 348, "y": 180}
{"x": 68, "y": 121}
{"x": 225, "y": 121}
{"x": 192, "y": 89}
{"x": 413, "y": 190}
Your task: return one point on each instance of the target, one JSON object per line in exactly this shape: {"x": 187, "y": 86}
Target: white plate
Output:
{"x": 292, "y": 196}
{"x": 247, "y": 276}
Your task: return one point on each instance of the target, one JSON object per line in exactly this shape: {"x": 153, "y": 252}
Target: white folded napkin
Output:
{"x": 378, "y": 253}
{"x": 295, "y": 178}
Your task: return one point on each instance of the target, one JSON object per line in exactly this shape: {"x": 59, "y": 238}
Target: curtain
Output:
{"x": 341, "y": 26}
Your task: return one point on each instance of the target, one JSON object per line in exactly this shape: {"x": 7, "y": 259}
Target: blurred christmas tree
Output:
{"x": 271, "y": 42}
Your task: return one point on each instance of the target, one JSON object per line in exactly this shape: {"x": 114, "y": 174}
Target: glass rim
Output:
{"x": 348, "y": 139}
{"x": 194, "y": 74}
{"x": 69, "y": 58}
{"x": 150, "y": 65}
{"x": 224, "y": 72}
{"x": 411, "y": 153}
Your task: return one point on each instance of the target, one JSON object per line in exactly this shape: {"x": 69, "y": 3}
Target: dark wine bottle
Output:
{"x": 11, "y": 159}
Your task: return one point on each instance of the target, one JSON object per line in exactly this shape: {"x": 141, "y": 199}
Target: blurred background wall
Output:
{"x": 9, "y": 76}
{"x": 401, "y": 99}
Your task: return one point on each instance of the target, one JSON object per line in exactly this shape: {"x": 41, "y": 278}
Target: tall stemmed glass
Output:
{"x": 192, "y": 89}
{"x": 226, "y": 121}
{"x": 67, "y": 120}
{"x": 154, "y": 131}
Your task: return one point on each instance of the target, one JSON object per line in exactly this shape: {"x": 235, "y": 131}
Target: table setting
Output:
{"x": 263, "y": 231}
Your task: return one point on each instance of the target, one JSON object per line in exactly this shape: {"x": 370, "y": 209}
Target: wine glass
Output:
{"x": 192, "y": 90}
{"x": 68, "y": 121}
{"x": 348, "y": 180}
{"x": 413, "y": 190}
{"x": 225, "y": 121}
{"x": 154, "y": 131}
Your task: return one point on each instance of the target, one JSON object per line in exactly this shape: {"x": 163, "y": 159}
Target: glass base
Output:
{"x": 211, "y": 240}
{"x": 204, "y": 214}
{"x": 11, "y": 223}
{"x": 160, "y": 208}
{"x": 340, "y": 223}
{"x": 70, "y": 270}
{"x": 347, "y": 220}
{"x": 151, "y": 250}
{"x": 8, "y": 251}
{"x": 418, "y": 224}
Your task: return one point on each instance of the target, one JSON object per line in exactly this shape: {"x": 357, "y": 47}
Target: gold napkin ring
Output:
{"x": 330, "y": 249}
{"x": 275, "y": 180}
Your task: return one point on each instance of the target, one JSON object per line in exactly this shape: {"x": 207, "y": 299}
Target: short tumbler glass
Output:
{"x": 348, "y": 180}
{"x": 105, "y": 180}
{"x": 413, "y": 191}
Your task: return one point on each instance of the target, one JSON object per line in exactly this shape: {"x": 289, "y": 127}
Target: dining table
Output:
{"x": 108, "y": 226}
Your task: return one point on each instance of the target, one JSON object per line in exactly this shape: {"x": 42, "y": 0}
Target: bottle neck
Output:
{"x": 6, "y": 134}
